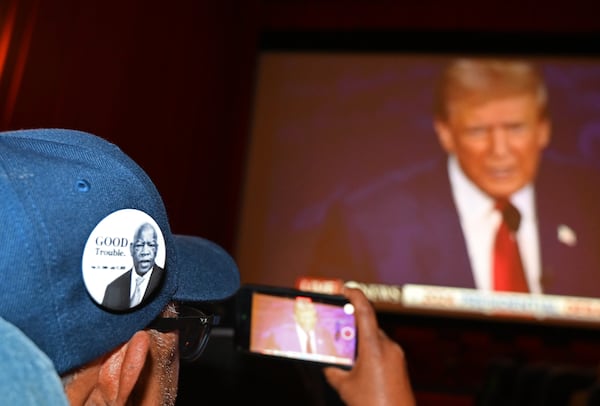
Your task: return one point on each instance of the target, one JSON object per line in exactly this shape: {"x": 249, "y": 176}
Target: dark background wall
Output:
{"x": 171, "y": 83}
{"x": 166, "y": 81}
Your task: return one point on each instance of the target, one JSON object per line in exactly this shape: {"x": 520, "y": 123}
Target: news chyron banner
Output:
{"x": 466, "y": 301}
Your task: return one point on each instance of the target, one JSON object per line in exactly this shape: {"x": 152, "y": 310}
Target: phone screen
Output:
{"x": 299, "y": 325}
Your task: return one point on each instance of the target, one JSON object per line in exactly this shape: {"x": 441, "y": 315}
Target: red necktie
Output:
{"x": 508, "y": 269}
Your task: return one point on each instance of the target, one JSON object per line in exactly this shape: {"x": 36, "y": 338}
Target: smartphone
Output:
{"x": 297, "y": 325}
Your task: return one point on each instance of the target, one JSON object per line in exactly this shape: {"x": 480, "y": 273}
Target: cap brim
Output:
{"x": 206, "y": 271}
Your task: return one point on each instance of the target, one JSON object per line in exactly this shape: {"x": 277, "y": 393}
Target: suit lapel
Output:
{"x": 446, "y": 255}
{"x": 569, "y": 251}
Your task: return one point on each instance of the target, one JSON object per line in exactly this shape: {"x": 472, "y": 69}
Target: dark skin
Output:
{"x": 142, "y": 371}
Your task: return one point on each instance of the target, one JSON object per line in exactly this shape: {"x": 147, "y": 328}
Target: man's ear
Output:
{"x": 444, "y": 135}
{"x": 121, "y": 371}
{"x": 545, "y": 129}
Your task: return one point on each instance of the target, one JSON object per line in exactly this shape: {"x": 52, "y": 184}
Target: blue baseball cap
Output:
{"x": 70, "y": 204}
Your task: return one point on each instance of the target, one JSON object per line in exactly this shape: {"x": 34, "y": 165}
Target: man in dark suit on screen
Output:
{"x": 305, "y": 335}
{"x": 439, "y": 222}
{"x": 137, "y": 284}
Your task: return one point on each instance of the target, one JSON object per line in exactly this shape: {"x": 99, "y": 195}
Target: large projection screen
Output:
{"x": 327, "y": 126}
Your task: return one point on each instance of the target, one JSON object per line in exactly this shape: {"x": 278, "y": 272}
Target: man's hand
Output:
{"x": 379, "y": 376}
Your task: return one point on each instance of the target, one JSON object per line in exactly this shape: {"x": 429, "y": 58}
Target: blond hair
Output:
{"x": 478, "y": 80}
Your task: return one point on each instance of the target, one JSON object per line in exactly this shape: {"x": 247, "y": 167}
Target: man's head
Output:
{"x": 144, "y": 248}
{"x": 305, "y": 313}
{"x": 71, "y": 203}
{"x": 492, "y": 115}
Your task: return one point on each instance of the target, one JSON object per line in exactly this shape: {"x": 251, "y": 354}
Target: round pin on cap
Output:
{"x": 124, "y": 260}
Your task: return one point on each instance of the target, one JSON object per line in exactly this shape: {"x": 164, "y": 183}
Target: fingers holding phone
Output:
{"x": 379, "y": 375}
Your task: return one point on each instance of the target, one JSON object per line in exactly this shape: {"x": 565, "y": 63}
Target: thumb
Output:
{"x": 335, "y": 376}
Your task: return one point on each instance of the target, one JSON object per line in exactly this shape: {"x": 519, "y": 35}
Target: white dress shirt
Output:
{"x": 303, "y": 335}
{"x": 143, "y": 285}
